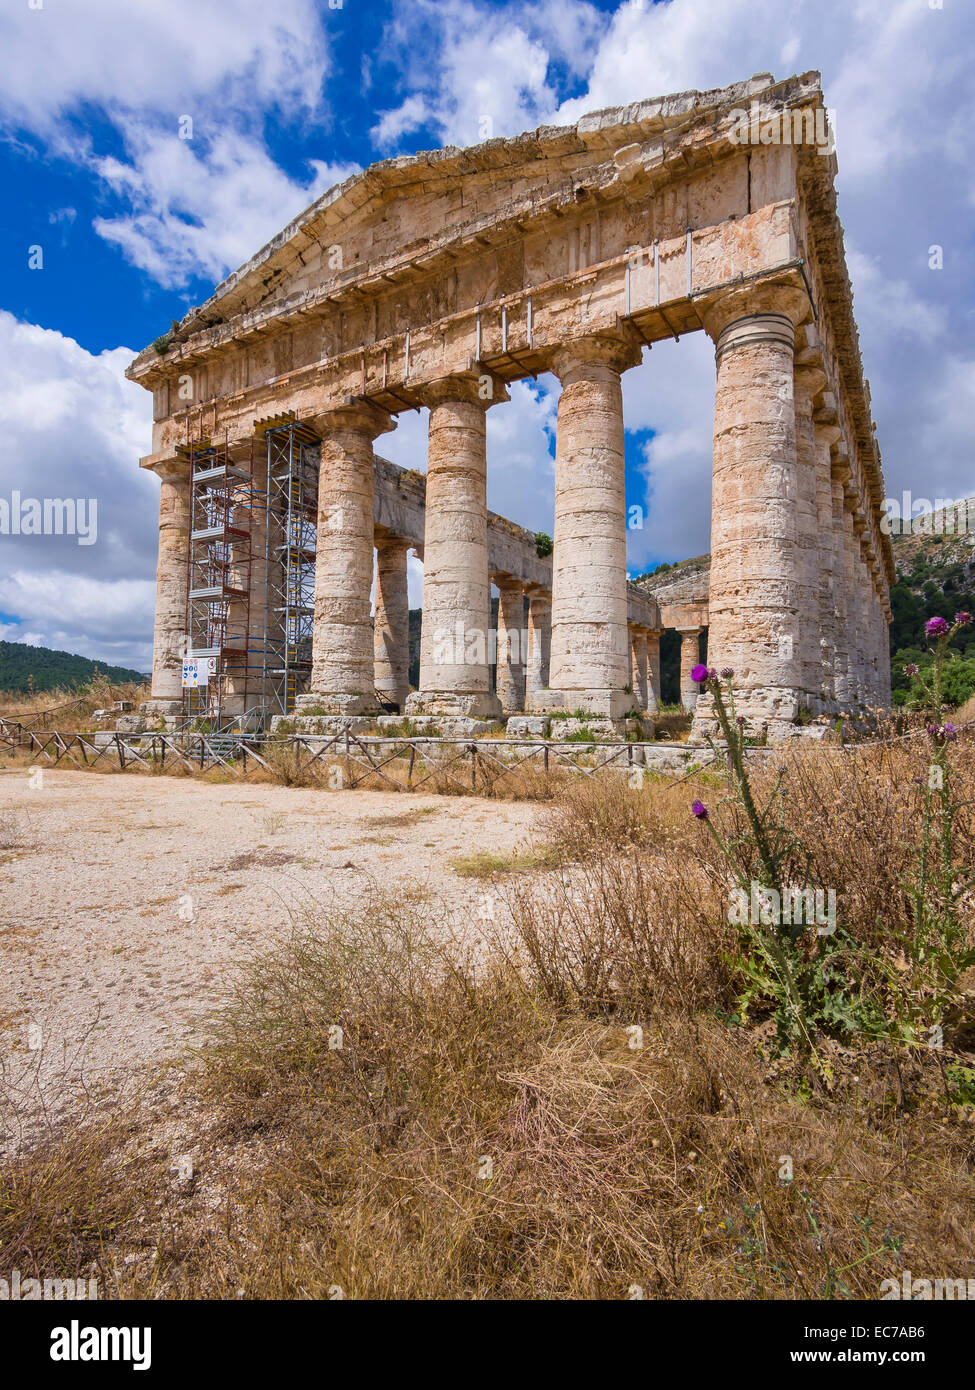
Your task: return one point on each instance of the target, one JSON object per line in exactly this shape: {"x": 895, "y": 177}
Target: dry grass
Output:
{"x": 568, "y": 1110}
{"x": 485, "y": 864}
{"x": 965, "y": 713}
{"x": 66, "y": 708}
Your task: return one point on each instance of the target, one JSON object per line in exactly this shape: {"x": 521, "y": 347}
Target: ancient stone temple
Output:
{"x": 438, "y": 280}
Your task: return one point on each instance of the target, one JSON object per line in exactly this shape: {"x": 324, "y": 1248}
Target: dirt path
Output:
{"x": 125, "y": 901}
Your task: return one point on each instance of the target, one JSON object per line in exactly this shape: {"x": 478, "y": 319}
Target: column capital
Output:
{"x": 172, "y": 470}
{"x": 355, "y": 414}
{"x": 619, "y": 351}
{"x": 484, "y": 389}
{"x": 808, "y": 381}
{"x": 840, "y": 468}
{"x": 391, "y": 543}
{"x": 827, "y": 430}
{"x": 754, "y": 312}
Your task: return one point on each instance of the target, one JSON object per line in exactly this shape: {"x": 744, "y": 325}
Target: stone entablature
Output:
{"x": 438, "y": 279}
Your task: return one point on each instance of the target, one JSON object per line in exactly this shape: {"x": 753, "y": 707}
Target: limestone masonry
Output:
{"x": 436, "y": 281}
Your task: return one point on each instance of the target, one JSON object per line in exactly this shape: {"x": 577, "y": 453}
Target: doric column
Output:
{"x": 690, "y": 655}
{"x": 854, "y": 598}
{"x": 391, "y": 622}
{"x": 653, "y": 669}
{"x": 874, "y": 613}
{"x": 885, "y": 616}
{"x": 590, "y": 648}
{"x": 827, "y": 432}
{"x": 866, "y": 590}
{"x": 512, "y": 639}
{"x": 539, "y": 644}
{"x": 758, "y": 585}
{"x": 638, "y": 678}
{"x": 807, "y": 383}
{"x": 454, "y": 670}
{"x": 172, "y": 570}
{"x": 343, "y": 675}
{"x": 842, "y": 677}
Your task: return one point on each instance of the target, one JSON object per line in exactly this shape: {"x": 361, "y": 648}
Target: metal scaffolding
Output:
{"x": 290, "y": 533}
{"x": 251, "y": 584}
{"x": 220, "y": 573}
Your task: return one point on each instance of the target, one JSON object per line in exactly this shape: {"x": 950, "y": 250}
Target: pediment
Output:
{"x": 379, "y": 226}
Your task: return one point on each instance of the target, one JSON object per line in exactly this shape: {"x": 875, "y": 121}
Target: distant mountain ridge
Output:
{"x": 53, "y": 670}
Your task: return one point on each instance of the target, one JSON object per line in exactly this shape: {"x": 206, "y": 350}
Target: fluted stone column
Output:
{"x": 539, "y": 645}
{"x": 807, "y": 383}
{"x": 827, "y": 432}
{"x": 690, "y": 656}
{"x": 758, "y": 586}
{"x": 866, "y": 590}
{"x": 885, "y": 696}
{"x": 246, "y": 685}
{"x": 855, "y": 616}
{"x": 638, "y": 679}
{"x": 590, "y": 647}
{"x": 169, "y": 632}
{"x": 842, "y": 679}
{"x": 391, "y": 623}
{"x": 512, "y": 639}
{"x": 653, "y": 670}
{"x": 873, "y": 610}
{"x": 454, "y": 671}
{"x": 343, "y": 674}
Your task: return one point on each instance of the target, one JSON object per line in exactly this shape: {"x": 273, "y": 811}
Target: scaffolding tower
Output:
{"x": 220, "y": 572}
{"x": 290, "y": 534}
{"x": 251, "y": 583}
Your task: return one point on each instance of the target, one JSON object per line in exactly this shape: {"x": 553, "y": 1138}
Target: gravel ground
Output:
{"x": 126, "y": 900}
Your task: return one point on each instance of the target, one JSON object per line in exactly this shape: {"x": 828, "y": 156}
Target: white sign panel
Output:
{"x": 196, "y": 672}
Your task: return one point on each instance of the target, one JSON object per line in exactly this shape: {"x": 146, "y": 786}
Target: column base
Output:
{"x": 475, "y": 704}
{"x": 159, "y": 709}
{"x": 330, "y": 702}
{"x": 770, "y": 712}
{"x": 604, "y": 704}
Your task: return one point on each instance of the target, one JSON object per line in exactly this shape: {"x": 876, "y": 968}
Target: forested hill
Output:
{"x": 53, "y": 670}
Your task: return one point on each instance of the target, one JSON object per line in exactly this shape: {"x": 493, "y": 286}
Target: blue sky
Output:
{"x": 135, "y": 224}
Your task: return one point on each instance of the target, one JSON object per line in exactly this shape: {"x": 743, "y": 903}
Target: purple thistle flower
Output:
{"x": 699, "y": 809}
{"x": 911, "y": 669}
{"x": 712, "y": 674}
{"x": 699, "y": 674}
{"x": 936, "y": 627}
{"x": 726, "y": 673}
{"x": 963, "y": 618}
{"x": 948, "y": 731}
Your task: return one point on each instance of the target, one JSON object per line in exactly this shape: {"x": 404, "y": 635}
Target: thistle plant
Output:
{"x": 938, "y": 951}
{"x": 807, "y": 975}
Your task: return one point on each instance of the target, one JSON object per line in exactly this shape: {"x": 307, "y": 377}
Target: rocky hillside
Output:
{"x": 935, "y": 577}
